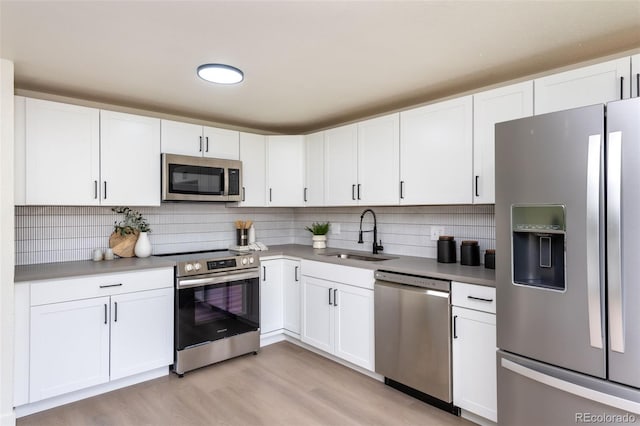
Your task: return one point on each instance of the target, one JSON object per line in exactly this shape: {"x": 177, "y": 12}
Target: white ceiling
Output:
{"x": 308, "y": 64}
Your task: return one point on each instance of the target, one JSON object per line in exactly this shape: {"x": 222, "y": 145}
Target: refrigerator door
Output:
{"x": 556, "y": 162}
{"x": 623, "y": 240}
{"x": 533, "y": 393}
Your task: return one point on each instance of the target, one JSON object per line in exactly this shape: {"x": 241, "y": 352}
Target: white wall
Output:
{"x": 7, "y": 254}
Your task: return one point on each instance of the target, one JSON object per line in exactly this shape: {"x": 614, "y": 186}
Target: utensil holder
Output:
{"x": 242, "y": 237}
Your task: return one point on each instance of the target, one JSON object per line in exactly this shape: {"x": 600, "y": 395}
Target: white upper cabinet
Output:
{"x": 62, "y": 153}
{"x": 341, "y": 165}
{"x": 379, "y": 161}
{"x": 199, "y": 141}
{"x": 314, "y": 169}
{"x": 635, "y": 76}
{"x": 285, "y": 171}
{"x": 253, "y": 153}
{"x": 436, "y": 149}
{"x": 491, "y": 107}
{"x": 130, "y": 159}
{"x": 594, "y": 84}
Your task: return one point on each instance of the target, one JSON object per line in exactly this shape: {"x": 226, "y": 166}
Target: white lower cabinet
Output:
{"x": 474, "y": 349}
{"x": 337, "y": 311}
{"x": 88, "y": 331}
{"x": 271, "y": 297}
{"x": 291, "y": 296}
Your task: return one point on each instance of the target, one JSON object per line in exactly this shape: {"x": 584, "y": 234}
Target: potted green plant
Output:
{"x": 130, "y": 235}
{"x": 319, "y": 231}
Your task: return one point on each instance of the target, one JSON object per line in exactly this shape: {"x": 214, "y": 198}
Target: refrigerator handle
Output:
{"x": 614, "y": 250}
{"x": 546, "y": 378}
{"x": 593, "y": 241}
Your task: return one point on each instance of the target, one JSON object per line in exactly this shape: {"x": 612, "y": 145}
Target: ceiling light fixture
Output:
{"x": 220, "y": 73}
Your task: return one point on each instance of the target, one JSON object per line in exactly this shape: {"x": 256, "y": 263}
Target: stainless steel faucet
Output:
{"x": 376, "y": 247}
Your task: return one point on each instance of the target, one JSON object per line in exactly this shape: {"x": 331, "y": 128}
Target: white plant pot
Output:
{"x": 143, "y": 245}
{"x": 319, "y": 241}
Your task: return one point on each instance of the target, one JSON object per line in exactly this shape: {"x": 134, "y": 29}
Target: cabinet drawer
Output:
{"x": 480, "y": 298}
{"x": 358, "y": 277}
{"x": 63, "y": 290}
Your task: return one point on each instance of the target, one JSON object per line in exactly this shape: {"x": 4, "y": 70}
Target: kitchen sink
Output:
{"x": 358, "y": 256}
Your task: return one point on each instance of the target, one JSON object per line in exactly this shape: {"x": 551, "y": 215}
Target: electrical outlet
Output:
{"x": 436, "y": 231}
{"x": 334, "y": 229}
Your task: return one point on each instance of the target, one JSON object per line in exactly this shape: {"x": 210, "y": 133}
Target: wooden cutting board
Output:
{"x": 123, "y": 245}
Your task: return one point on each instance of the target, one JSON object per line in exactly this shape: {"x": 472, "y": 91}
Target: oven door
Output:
{"x": 216, "y": 306}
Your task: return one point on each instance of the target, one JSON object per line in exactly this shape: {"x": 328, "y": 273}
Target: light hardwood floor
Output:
{"x": 283, "y": 385}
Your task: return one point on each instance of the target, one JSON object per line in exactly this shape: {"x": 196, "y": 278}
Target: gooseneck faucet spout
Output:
{"x": 376, "y": 247}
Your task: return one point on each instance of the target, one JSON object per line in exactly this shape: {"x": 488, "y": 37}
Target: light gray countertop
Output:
{"x": 405, "y": 264}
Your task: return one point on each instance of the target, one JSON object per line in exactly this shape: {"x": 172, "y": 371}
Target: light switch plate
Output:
{"x": 436, "y": 231}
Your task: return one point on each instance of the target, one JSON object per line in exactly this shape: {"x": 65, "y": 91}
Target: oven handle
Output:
{"x": 196, "y": 282}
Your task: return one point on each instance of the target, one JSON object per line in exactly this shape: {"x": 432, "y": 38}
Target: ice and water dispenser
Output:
{"x": 538, "y": 245}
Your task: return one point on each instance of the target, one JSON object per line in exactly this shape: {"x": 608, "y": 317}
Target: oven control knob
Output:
{"x": 188, "y": 267}
{"x": 244, "y": 261}
{"x": 197, "y": 266}
{"x": 251, "y": 259}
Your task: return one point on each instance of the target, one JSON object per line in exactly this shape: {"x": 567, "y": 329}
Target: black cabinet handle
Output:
{"x": 270, "y": 194}
{"x": 401, "y": 189}
{"x": 335, "y": 297}
{"x": 481, "y": 299}
{"x": 305, "y": 195}
{"x": 200, "y": 143}
{"x": 295, "y": 274}
{"x": 243, "y": 193}
{"x": 207, "y": 144}
{"x": 621, "y": 87}
{"x": 455, "y": 328}
{"x": 111, "y": 285}
{"x": 264, "y": 273}
{"x": 105, "y": 189}
{"x": 330, "y": 297}
{"x": 638, "y": 84}
{"x": 353, "y": 192}
{"x": 477, "y": 177}
{"x": 105, "y": 313}
{"x": 115, "y": 319}
{"x": 95, "y": 189}
{"x": 358, "y": 191}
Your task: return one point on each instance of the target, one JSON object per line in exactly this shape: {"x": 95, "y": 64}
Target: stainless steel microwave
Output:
{"x": 186, "y": 178}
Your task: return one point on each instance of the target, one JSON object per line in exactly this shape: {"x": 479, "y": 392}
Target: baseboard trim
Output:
{"x": 479, "y": 420}
{"x": 56, "y": 401}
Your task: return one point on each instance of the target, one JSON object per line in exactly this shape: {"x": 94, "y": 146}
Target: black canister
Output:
{"x": 470, "y": 253}
{"x": 446, "y": 249}
{"x": 490, "y": 259}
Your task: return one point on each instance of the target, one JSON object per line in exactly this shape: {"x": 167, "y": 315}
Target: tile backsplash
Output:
{"x": 63, "y": 233}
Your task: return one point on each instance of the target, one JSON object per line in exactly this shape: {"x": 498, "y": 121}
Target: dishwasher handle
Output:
{"x": 420, "y": 290}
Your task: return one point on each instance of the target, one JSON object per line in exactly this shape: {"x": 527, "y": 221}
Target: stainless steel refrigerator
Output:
{"x": 568, "y": 266}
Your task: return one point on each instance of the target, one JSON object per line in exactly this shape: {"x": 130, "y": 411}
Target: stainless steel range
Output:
{"x": 217, "y": 307}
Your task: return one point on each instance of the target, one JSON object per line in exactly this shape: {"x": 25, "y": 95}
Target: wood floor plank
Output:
{"x": 283, "y": 385}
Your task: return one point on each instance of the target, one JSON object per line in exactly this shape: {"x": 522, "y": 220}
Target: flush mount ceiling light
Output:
{"x": 220, "y": 73}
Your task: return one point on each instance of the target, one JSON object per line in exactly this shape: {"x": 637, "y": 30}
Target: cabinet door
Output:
{"x": 489, "y": 108}
{"x": 221, "y": 143}
{"x": 253, "y": 152}
{"x": 354, "y": 340}
{"x": 595, "y": 84}
{"x": 69, "y": 347}
{"x": 474, "y": 362}
{"x": 285, "y": 170}
{"x": 635, "y": 76}
{"x": 271, "y": 297}
{"x": 436, "y": 153}
{"x": 141, "y": 332}
{"x": 62, "y": 153}
{"x": 379, "y": 161}
{"x": 291, "y": 288}
{"x": 129, "y": 159}
{"x": 19, "y": 153}
{"x": 181, "y": 138}
{"x": 317, "y": 313}
{"x": 314, "y": 169}
{"x": 341, "y": 166}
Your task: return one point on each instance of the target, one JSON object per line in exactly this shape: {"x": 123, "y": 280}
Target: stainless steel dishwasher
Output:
{"x": 413, "y": 336}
